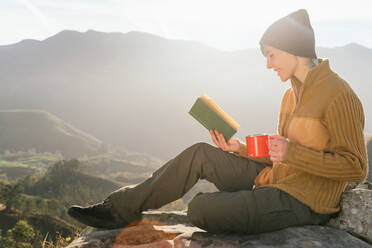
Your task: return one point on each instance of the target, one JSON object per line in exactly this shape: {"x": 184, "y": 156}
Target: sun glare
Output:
{"x": 224, "y": 24}
{"x": 37, "y": 13}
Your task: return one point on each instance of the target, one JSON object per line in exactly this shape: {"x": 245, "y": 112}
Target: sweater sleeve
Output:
{"x": 346, "y": 159}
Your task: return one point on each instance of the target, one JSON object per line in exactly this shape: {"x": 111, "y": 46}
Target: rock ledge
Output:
{"x": 171, "y": 229}
{"x": 352, "y": 228}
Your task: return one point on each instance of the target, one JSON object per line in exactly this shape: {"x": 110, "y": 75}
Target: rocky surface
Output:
{"x": 352, "y": 228}
{"x": 150, "y": 235}
{"x": 172, "y": 229}
{"x": 157, "y": 229}
{"x": 356, "y": 212}
{"x": 294, "y": 237}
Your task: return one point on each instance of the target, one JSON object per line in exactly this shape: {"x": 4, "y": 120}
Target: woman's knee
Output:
{"x": 218, "y": 212}
{"x": 201, "y": 146}
{"x": 203, "y": 150}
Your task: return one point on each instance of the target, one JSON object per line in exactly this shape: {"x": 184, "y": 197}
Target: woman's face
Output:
{"x": 285, "y": 64}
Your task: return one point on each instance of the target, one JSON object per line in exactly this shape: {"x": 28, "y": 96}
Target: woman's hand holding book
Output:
{"x": 231, "y": 146}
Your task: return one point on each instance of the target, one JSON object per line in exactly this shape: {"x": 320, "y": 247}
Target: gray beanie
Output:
{"x": 292, "y": 33}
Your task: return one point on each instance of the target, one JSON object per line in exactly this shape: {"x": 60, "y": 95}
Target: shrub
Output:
{"x": 21, "y": 236}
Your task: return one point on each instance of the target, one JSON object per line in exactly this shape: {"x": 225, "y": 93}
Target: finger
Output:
{"x": 273, "y": 136}
{"x": 274, "y": 159}
{"x": 271, "y": 143}
{"x": 218, "y": 139}
{"x": 275, "y": 156}
{"x": 216, "y": 134}
{"x": 274, "y": 150}
{"x": 272, "y": 153}
{"x": 279, "y": 146}
{"x": 213, "y": 137}
{"x": 274, "y": 145}
{"x": 276, "y": 137}
{"x": 274, "y": 141}
{"x": 222, "y": 141}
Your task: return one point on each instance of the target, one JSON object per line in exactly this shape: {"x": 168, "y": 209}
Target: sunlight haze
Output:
{"x": 225, "y": 25}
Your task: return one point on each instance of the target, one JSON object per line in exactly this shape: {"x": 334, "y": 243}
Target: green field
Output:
{"x": 4, "y": 163}
{"x": 22, "y": 165}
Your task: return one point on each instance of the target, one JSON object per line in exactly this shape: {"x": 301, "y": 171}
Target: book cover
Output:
{"x": 211, "y": 116}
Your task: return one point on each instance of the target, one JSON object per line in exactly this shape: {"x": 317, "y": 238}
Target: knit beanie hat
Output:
{"x": 292, "y": 33}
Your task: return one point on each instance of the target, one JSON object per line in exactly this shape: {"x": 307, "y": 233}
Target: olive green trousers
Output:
{"x": 236, "y": 208}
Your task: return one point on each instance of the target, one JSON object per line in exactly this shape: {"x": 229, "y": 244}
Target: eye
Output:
{"x": 271, "y": 55}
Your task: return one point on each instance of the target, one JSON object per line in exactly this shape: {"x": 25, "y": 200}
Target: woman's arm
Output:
{"x": 346, "y": 159}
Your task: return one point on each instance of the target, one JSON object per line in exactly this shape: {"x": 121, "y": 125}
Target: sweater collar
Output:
{"x": 313, "y": 77}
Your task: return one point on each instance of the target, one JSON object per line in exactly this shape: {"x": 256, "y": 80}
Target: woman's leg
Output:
{"x": 200, "y": 161}
{"x": 253, "y": 211}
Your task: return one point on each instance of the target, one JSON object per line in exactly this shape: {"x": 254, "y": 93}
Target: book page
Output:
{"x": 219, "y": 111}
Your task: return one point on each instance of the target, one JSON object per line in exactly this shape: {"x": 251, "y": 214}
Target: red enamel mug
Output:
{"x": 257, "y": 145}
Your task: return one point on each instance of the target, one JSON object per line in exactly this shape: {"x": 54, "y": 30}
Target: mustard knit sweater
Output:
{"x": 324, "y": 121}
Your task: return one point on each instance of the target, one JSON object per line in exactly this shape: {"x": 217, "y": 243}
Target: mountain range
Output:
{"x": 135, "y": 89}
{"x": 23, "y": 130}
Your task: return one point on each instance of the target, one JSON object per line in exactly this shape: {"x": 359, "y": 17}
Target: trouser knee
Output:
{"x": 201, "y": 148}
{"x": 218, "y": 212}
{"x": 204, "y": 152}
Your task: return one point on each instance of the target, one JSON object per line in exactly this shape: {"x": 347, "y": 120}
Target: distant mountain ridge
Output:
{"x": 23, "y": 130}
{"x": 135, "y": 89}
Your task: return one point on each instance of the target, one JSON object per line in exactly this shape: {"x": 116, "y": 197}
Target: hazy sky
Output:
{"x": 224, "y": 24}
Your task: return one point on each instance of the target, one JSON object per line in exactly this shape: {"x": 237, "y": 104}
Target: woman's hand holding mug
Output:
{"x": 277, "y": 147}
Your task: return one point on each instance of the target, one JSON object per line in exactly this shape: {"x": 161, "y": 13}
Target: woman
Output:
{"x": 318, "y": 150}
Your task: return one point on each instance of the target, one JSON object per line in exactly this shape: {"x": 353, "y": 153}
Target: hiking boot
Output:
{"x": 100, "y": 215}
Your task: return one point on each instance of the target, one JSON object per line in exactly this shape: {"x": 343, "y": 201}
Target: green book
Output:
{"x": 212, "y": 117}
